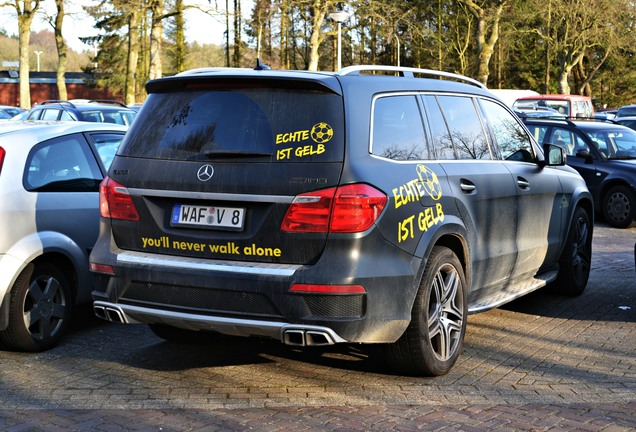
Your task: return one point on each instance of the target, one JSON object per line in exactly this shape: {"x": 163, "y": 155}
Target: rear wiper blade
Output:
{"x": 228, "y": 154}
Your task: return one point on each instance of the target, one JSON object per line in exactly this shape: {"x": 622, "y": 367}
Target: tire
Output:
{"x": 433, "y": 340}
{"x": 576, "y": 259}
{"x": 40, "y": 307}
{"x": 179, "y": 335}
{"x": 619, "y": 206}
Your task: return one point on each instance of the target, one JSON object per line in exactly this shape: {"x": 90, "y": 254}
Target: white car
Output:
{"x": 49, "y": 220}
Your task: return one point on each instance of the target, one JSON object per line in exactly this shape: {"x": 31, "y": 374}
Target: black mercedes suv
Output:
{"x": 374, "y": 205}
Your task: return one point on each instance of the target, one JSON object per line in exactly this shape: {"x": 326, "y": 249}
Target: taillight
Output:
{"x": 115, "y": 202}
{"x": 2, "y": 153}
{"x": 345, "y": 209}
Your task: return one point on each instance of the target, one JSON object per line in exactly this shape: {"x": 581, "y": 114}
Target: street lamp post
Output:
{"x": 398, "y": 48}
{"x": 339, "y": 17}
{"x": 38, "y": 54}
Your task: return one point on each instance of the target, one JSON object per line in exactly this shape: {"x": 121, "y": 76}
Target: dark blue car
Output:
{"x": 605, "y": 156}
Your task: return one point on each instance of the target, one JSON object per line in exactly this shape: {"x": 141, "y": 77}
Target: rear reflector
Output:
{"x": 345, "y": 209}
{"x": 102, "y": 268}
{"x": 327, "y": 289}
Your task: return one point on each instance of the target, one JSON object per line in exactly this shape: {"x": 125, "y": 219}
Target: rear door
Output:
{"x": 482, "y": 187}
{"x": 213, "y": 168}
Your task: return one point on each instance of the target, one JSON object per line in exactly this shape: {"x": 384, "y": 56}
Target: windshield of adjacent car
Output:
{"x": 121, "y": 117}
{"x": 626, "y": 111}
{"x": 615, "y": 143}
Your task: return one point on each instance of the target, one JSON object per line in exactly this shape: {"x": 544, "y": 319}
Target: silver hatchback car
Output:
{"x": 49, "y": 220}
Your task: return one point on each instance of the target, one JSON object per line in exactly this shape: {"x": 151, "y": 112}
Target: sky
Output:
{"x": 200, "y": 27}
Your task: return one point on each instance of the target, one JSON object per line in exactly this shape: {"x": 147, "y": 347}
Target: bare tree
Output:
{"x": 488, "y": 15}
{"x": 25, "y": 10}
{"x": 156, "y": 39}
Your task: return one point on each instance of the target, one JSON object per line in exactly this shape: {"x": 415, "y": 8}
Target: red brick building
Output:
{"x": 43, "y": 87}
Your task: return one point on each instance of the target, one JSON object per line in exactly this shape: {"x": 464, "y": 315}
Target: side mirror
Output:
{"x": 554, "y": 155}
{"x": 585, "y": 154}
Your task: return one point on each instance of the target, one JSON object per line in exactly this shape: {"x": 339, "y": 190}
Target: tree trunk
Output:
{"x": 487, "y": 34}
{"x": 315, "y": 38}
{"x": 227, "y": 33}
{"x": 25, "y": 19}
{"x": 237, "y": 33}
{"x": 564, "y": 86}
{"x": 61, "y": 51}
{"x": 156, "y": 39}
{"x": 548, "y": 59}
{"x": 133, "y": 56}
{"x": 179, "y": 36}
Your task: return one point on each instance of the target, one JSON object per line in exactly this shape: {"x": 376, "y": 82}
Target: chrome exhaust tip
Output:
{"x": 299, "y": 337}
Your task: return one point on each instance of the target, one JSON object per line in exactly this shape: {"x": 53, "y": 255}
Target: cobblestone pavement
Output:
{"x": 540, "y": 363}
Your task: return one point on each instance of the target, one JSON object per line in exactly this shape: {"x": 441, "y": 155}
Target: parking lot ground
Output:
{"x": 543, "y": 362}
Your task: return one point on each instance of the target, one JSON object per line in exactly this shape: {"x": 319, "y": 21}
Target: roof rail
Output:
{"x": 61, "y": 102}
{"x": 108, "y": 102}
{"x": 408, "y": 72}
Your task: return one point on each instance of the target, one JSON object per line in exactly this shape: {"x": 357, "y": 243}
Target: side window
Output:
{"x": 106, "y": 146}
{"x": 563, "y": 138}
{"x": 464, "y": 124}
{"x": 66, "y": 116}
{"x": 512, "y": 140}
{"x": 34, "y": 115}
{"x": 398, "y": 132}
{"x": 600, "y": 140}
{"x": 538, "y": 132}
{"x": 63, "y": 164}
{"x": 50, "y": 114}
{"x": 442, "y": 144}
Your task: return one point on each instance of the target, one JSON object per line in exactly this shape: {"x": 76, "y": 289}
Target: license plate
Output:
{"x": 229, "y": 218}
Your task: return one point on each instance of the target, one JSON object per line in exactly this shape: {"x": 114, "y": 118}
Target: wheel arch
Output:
{"x": 66, "y": 266}
{"x": 452, "y": 235}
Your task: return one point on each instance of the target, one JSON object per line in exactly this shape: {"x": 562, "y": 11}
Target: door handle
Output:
{"x": 523, "y": 183}
{"x": 467, "y": 186}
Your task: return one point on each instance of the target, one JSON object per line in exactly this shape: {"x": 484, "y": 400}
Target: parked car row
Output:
{"x": 101, "y": 111}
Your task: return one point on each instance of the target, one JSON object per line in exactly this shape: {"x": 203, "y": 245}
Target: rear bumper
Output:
{"x": 290, "y": 334}
{"x": 254, "y": 299}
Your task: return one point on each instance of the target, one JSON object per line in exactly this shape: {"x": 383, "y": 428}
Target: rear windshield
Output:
{"x": 278, "y": 125}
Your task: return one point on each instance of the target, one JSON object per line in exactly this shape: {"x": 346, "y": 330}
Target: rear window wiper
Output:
{"x": 229, "y": 154}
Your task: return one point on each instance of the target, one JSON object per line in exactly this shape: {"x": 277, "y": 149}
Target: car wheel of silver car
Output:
{"x": 619, "y": 206}
{"x": 433, "y": 340}
{"x": 576, "y": 259}
{"x": 39, "y": 309}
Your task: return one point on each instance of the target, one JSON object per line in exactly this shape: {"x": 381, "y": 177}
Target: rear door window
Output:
{"x": 466, "y": 130}
{"x": 279, "y": 125}
{"x": 398, "y": 132}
